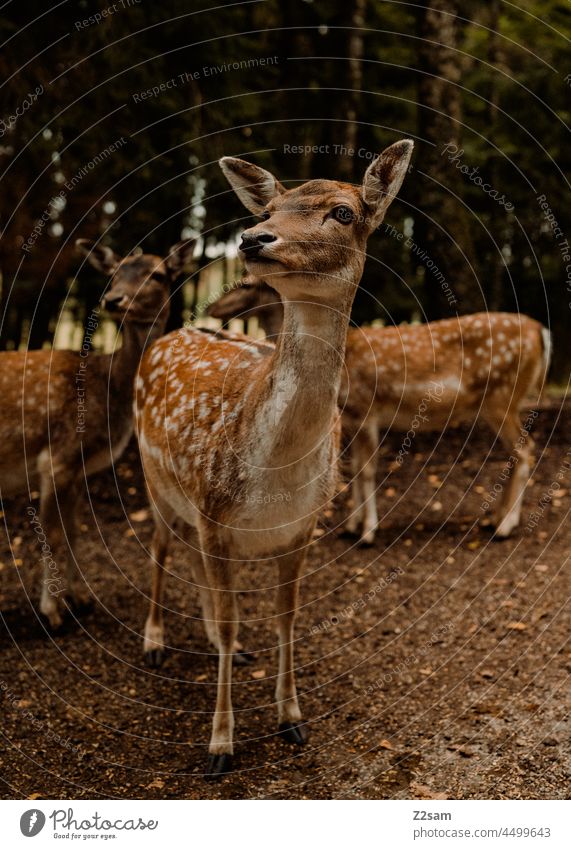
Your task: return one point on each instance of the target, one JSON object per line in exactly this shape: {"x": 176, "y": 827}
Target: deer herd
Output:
{"x": 239, "y": 438}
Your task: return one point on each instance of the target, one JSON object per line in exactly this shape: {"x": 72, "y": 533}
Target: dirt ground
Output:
{"x": 435, "y": 664}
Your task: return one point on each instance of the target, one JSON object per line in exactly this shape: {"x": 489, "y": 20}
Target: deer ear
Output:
{"x": 384, "y": 178}
{"x": 99, "y": 256}
{"x": 254, "y": 186}
{"x": 179, "y": 257}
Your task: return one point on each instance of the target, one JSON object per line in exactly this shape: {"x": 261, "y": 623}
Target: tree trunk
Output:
{"x": 442, "y": 226}
{"x": 355, "y": 58}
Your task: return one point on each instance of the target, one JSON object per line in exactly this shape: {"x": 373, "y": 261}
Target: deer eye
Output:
{"x": 265, "y": 216}
{"x": 159, "y": 275}
{"x": 343, "y": 214}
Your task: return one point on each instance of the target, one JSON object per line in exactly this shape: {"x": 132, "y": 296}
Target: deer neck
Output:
{"x": 303, "y": 382}
{"x": 136, "y": 338}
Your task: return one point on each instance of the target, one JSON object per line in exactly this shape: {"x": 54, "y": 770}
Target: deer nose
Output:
{"x": 114, "y": 301}
{"x": 254, "y": 242}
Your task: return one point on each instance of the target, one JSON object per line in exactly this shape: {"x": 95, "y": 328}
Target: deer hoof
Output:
{"x": 154, "y": 658}
{"x": 218, "y": 765}
{"x": 243, "y": 658}
{"x": 367, "y": 541}
{"x": 55, "y": 622}
{"x": 348, "y": 533}
{"x": 294, "y": 732}
{"x": 53, "y": 613}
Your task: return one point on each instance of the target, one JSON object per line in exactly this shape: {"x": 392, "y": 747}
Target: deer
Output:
{"x": 431, "y": 376}
{"x": 68, "y": 414}
{"x": 247, "y": 300}
{"x": 441, "y": 373}
{"x": 239, "y": 441}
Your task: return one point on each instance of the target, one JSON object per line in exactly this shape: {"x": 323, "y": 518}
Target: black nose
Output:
{"x": 252, "y": 243}
{"x": 113, "y": 300}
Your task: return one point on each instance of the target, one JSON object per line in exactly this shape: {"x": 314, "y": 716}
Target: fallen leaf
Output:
{"x": 386, "y": 744}
{"x": 466, "y": 753}
{"x": 516, "y": 626}
{"x": 474, "y": 544}
{"x": 35, "y": 796}
{"x": 139, "y": 515}
{"x": 436, "y": 506}
{"x": 390, "y": 492}
{"x": 421, "y": 791}
{"x": 541, "y": 567}
{"x": 259, "y": 673}
{"x": 157, "y": 784}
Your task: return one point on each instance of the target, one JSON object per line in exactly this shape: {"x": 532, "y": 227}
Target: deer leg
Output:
{"x": 291, "y": 726}
{"x": 241, "y": 657}
{"x": 354, "y": 520}
{"x": 368, "y": 464}
{"x": 154, "y": 642}
{"x": 515, "y": 474}
{"x": 78, "y": 589}
{"x": 56, "y": 534}
{"x": 53, "y": 583}
{"x": 219, "y": 575}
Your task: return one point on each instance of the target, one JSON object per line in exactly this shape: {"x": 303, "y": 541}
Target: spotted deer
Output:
{"x": 435, "y": 375}
{"x": 240, "y": 440}
{"x": 68, "y": 414}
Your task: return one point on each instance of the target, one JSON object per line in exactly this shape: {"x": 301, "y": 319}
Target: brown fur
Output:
{"x": 67, "y": 414}
{"x": 241, "y": 443}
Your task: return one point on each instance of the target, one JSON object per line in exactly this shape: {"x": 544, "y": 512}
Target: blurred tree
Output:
{"x": 123, "y": 139}
{"x": 442, "y": 229}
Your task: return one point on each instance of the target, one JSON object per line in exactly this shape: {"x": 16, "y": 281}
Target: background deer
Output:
{"x": 439, "y": 374}
{"x": 249, "y": 300}
{"x": 67, "y": 414}
{"x": 241, "y": 440}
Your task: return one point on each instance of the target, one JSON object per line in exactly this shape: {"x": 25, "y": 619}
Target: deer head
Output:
{"x": 310, "y": 242}
{"x": 140, "y": 283}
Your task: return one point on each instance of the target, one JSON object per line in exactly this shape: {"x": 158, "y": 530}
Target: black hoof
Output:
{"x": 294, "y": 732}
{"x": 218, "y": 765}
{"x": 365, "y": 543}
{"x": 154, "y": 658}
{"x": 243, "y": 658}
{"x": 345, "y": 534}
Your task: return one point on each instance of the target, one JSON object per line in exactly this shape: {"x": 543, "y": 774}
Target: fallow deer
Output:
{"x": 442, "y": 374}
{"x": 487, "y": 364}
{"x": 68, "y": 414}
{"x": 240, "y": 440}
{"x": 248, "y": 300}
